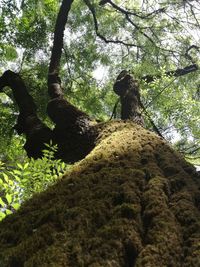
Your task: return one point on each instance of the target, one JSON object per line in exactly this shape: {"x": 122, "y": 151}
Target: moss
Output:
{"x": 132, "y": 201}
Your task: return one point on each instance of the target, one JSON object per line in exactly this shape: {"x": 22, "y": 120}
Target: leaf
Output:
{"x": 26, "y": 173}
{"x": 8, "y": 212}
{"x": 17, "y": 178}
{"x": 15, "y": 206}
{"x": 17, "y": 172}
{"x": 9, "y": 198}
{"x": 20, "y": 166}
{"x": 26, "y": 165}
{"x": 5, "y": 176}
{"x": 2, "y": 215}
{"x": 10, "y": 182}
{"x": 2, "y": 203}
{"x": 63, "y": 166}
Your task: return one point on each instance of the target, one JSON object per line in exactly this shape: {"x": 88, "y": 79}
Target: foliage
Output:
{"x": 146, "y": 37}
{"x": 7, "y": 118}
{"x": 21, "y": 181}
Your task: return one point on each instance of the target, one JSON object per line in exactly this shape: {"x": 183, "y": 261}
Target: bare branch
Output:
{"x": 127, "y": 12}
{"x": 139, "y": 29}
{"x": 91, "y": 8}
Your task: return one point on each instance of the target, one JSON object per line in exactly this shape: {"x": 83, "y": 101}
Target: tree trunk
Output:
{"x": 132, "y": 201}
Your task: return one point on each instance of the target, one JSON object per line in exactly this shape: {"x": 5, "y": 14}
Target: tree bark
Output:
{"x": 54, "y": 83}
{"x": 74, "y": 132}
{"x": 132, "y": 201}
{"x": 128, "y": 90}
{"x": 28, "y": 123}
{"x": 175, "y": 73}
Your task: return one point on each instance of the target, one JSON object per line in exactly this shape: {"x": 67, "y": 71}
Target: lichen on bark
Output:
{"x": 132, "y": 201}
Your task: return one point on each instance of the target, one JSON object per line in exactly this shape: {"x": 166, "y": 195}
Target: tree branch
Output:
{"x": 175, "y": 73}
{"x": 54, "y": 83}
{"x": 91, "y": 8}
{"x": 188, "y": 50}
{"x": 28, "y": 123}
{"x": 127, "y": 12}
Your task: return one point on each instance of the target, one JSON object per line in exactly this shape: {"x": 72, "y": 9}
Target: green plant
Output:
{"x": 24, "y": 179}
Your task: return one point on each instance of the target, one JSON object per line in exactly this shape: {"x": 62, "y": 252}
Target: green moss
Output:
{"x": 132, "y": 201}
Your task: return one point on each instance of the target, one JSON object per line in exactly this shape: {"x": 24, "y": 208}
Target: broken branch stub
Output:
{"x": 128, "y": 90}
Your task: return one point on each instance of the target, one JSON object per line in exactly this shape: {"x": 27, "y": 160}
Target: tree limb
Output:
{"x": 28, "y": 123}
{"x": 91, "y": 8}
{"x": 175, "y": 73}
{"x": 127, "y": 12}
{"x": 54, "y": 83}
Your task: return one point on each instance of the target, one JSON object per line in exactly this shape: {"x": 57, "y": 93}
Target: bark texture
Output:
{"x": 175, "y": 73}
{"x": 74, "y": 131}
{"x": 28, "y": 123}
{"x": 132, "y": 201}
{"x": 128, "y": 90}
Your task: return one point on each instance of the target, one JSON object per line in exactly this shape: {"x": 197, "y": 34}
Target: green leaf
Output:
{"x": 11, "y": 183}
{"x": 26, "y": 165}
{"x": 8, "y": 212}
{"x": 15, "y": 206}
{"x": 2, "y": 215}
{"x": 9, "y": 198}
{"x": 17, "y": 178}
{"x": 17, "y": 172}
{"x": 26, "y": 173}
{"x": 5, "y": 176}
{"x": 20, "y": 166}
{"x": 2, "y": 203}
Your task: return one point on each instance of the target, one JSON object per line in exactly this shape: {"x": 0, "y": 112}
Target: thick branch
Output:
{"x": 128, "y": 90}
{"x": 24, "y": 101}
{"x": 72, "y": 132}
{"x": 54, "y": 83}
{"x": 28, "y": 123}
{"x": 175, "y": 73}
{"x": 58, "y": 36}
{"x": 59, "y": 110}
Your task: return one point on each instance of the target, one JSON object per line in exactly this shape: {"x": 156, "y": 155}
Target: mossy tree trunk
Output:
{"x": 132, "y": 201}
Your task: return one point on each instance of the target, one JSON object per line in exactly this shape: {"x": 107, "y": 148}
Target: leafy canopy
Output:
{"x": 146, "y": 37}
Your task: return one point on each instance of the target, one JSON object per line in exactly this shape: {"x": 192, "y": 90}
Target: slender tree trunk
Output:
{"x": 132, "y": 201}
{"x": 54, "y": 83}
